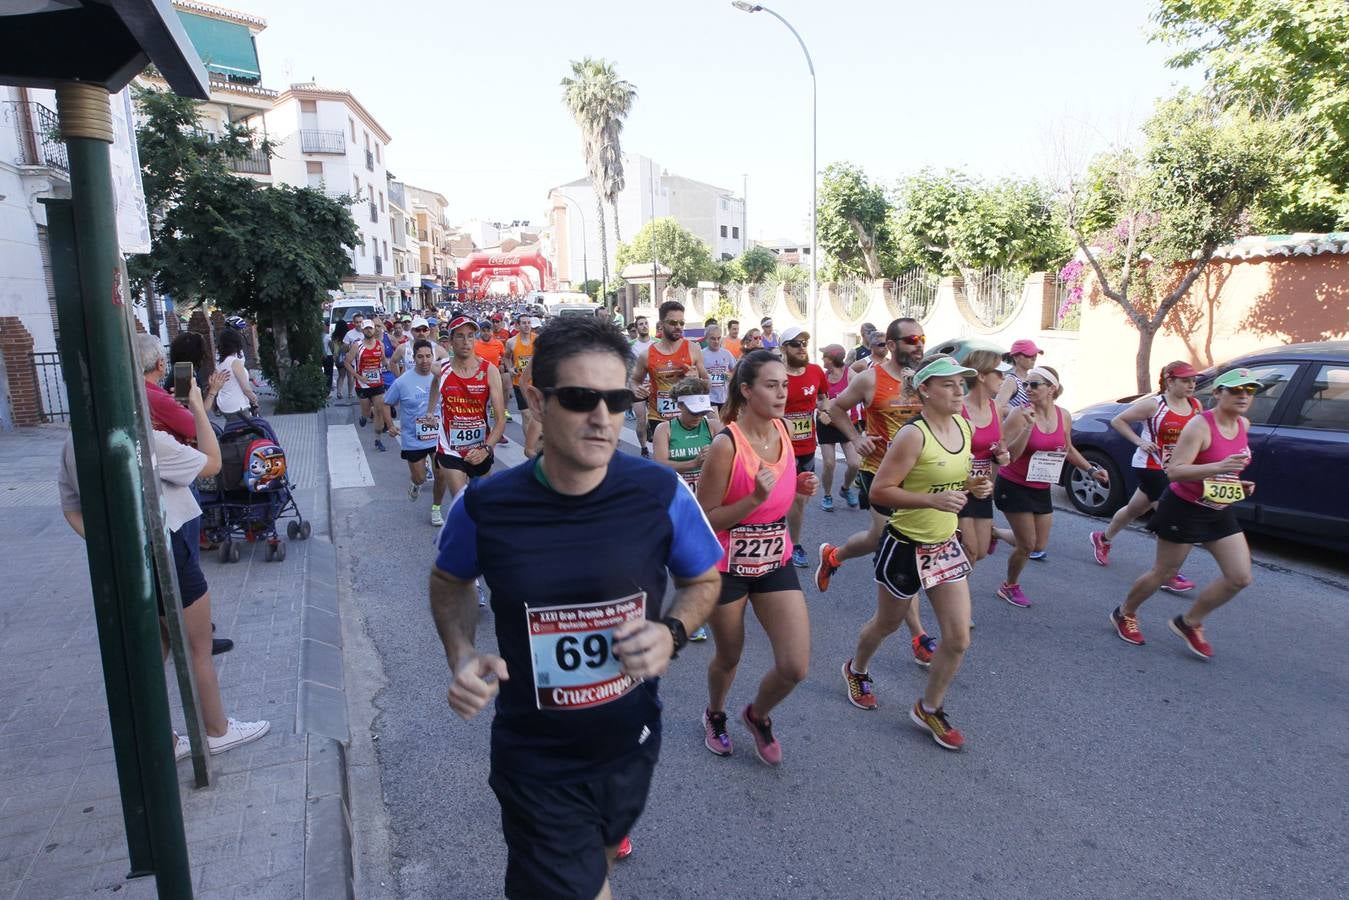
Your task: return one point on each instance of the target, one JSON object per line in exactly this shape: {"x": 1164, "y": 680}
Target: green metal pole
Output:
{"x": 107, "y": 434}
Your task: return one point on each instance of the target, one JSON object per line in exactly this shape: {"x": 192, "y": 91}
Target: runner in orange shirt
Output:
{"x": 667, "y": 360}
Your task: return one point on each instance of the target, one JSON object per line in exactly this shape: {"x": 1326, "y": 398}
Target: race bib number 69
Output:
{"x": 573, "y": 651}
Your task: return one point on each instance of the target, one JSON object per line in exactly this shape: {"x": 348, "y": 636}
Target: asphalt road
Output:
{"x": 1092, "y": 768}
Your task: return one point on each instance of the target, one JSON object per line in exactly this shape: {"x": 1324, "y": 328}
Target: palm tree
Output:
{"x": 599, "y": 101}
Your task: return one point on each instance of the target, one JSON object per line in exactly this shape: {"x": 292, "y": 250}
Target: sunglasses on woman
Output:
{"x": 1038, "y": 384}
{"x": 580, "y": 399}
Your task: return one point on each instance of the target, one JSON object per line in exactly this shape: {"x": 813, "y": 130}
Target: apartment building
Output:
{"x": 324, "y": 138}
{"x": 430, "y": 217}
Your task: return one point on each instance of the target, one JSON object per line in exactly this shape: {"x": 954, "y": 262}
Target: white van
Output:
{"x": 347, "y": 307}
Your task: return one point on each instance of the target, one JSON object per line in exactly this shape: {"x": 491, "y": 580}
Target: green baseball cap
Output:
{"x": 1236, "y": 378}
{"x": 940, "y": 368}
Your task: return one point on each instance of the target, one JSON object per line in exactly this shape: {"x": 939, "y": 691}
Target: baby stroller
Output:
{"x": 251, "y": 492}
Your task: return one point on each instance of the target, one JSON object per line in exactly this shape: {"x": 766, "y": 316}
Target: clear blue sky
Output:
{"x": 470, "y": 94}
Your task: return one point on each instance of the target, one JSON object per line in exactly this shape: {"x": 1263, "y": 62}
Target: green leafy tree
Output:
{"x": 955, "y": 224}
{"x": 1171, "y": 207}
{"x": 675, "y": 247}
{"x": 853, "y": 220}
{"x": 1287, "y": 60}
{"x": 270, "y": 254}
{"x": 599, "y": 101}
{"x": 755, "y": 265}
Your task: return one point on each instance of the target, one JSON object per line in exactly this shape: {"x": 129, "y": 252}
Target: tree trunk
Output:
{"x": 868, "y": 247}
{"x": 618, "y": 234}
{"x": 281, "y": 346}
{"x": 604, "y": 247}
{"x": 1143, "y": 360}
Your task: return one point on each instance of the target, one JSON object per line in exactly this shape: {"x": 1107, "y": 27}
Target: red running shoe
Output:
{"x": 1178, "y": 585}
{"x": 860, "y": 692}
{"x": 936, "y": 724}
{"x": 827, "y": 567}
{"x": 1193, "y": 635}
{"x": 624, "y": 848}
{"x": 766, "y": 747}
{"x": 923, "y": 648}
{"x": 1126, "y": 627}
{"x": 1100, "y": 547}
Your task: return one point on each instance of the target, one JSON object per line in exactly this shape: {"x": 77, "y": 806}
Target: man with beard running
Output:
{"x": 666, "y": 361}
{"x": 807, "y": 393}
{"x": 577, "y": 730}
{"x": 416, "y": 428}
{"x": 890, "y": 402}
{"x": 464, "y": 390}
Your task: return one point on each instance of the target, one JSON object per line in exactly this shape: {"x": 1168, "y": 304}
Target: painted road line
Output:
{"x": 347, "y": 465}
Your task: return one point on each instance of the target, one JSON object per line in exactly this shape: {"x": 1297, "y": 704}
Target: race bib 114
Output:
{"x": 573, "y": 651}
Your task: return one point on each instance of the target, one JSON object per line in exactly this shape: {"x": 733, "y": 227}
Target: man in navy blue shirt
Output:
{"x": 580, "y": 629}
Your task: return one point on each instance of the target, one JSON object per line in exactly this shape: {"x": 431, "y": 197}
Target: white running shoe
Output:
{"x": 182, "y": 747}
{"x": 237, "y": 734}
{"x": 436, "y": 518}
{"x": 414, "y": 492}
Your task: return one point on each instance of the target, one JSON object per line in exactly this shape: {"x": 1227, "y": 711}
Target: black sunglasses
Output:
{"x": 1038, "y": 384}
{"x": 797, "y": 345}
{"x": 580, "y": 399}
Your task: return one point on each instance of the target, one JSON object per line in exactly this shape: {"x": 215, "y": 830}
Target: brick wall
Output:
{"x": 173, "y": 324}
{"x": 16, "y": 345}
{"x": 202, "y": 326}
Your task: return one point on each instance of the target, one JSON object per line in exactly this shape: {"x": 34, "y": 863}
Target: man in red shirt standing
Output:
{"x": 807, "y": 392}
{"x": 166, "y": 413}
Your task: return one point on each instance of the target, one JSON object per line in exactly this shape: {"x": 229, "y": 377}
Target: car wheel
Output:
{"x": 1091, "y": 497}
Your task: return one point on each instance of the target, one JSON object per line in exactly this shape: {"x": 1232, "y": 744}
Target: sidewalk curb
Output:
{"x": 321, "y": 715}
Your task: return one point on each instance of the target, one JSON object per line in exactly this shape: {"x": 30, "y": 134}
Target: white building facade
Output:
{"x": 715, "y": 215}
{"x": 325, "y": 138}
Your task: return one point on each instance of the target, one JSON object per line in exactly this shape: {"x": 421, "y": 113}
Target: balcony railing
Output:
{"x": 255, "y": 163}
{"x": 374, "y": 212}
{"x": 370, "y": 160}
{"x": 421, "y": 235}
{"x": 35, "y": 126}
{"x": 313, "y": 141}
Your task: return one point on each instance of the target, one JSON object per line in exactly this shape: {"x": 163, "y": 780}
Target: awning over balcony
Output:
{"x": 224, "y": 47}
{"x": 428, "y": 283}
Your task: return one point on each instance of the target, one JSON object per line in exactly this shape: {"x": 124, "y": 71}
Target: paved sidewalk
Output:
{"x": 273, "y": 823}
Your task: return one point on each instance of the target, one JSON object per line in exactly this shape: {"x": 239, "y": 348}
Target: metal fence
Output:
{"x": 255, "y": 162}
{"x": 798, "y": 298}
{"x": 1072, "y": 319}
{"x": 39, "y": 140}
{"x": 912, "y": 293}
{"x": 852, "y": 299}
{"x": 994, "y": 294}
{"x": 313, "y": 140}
{"x": 51, "y": 385}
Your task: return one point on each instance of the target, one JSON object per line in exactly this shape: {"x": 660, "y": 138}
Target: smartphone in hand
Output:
{"x": 182, "y": 381}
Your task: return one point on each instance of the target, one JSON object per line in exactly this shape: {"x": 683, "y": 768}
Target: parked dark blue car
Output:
{"x": 1299, "y": 443}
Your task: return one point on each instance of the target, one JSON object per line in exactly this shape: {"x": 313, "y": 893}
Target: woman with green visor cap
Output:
{"x": 1205, "y": 472}
{"x": 925, "y": 478}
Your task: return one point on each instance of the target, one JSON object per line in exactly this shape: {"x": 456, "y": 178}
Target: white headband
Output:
{"x": 1045, "y": 374}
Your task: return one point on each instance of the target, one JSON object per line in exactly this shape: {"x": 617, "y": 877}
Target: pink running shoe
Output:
{"x": 766, "y": 747}
{"x": 1012, "y": 594}
{"x": 1178, "y": 585}
{"x": 1100, "y": 547}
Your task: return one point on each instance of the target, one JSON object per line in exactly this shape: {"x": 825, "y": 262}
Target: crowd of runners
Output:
{"x": 933, "y": 447}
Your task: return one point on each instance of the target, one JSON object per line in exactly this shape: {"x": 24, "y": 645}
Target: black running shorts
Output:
{"x": 445, "y": 461}
{"x": 1182, "y": 522}
{"x": 805, "y": 463}
{"x": 1152, "y": 482}
{"x": 738, "y": 587}
{"x": 556, "y": 834}
{"x": 864, "y": 479}
{"x": 1013, "y": 497}
{"x": 414, "y": 455}
{"x": 371, "y": 392}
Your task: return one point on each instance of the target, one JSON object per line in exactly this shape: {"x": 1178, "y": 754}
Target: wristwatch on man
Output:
{"x": 677, "y": 633}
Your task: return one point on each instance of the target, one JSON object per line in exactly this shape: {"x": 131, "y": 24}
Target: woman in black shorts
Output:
{"x": 1205, "y": 471}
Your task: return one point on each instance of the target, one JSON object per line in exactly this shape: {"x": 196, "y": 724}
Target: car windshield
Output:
{"x": 344, "y": 313}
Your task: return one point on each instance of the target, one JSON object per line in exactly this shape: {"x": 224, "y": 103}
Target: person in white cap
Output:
{"x": 404, "y": 359}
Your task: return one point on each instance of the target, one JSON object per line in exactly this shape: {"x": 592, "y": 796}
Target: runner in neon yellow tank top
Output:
{"x": 925, "y": 479}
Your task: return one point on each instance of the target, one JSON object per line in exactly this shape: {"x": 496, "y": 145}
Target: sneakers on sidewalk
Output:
{"x": 414, "y": 492}
{"x": 935, "y": 723}
{"x": 1126, "y": 627}
{"x": 715, "y": 736}
{"x": 182, "y": 747}
{"x": 766, "y": 747}
{"x": 860, "y": 692}
{"x": 827, "y": 503}
{"x": 1193, "y": 636}
{"x": 436, "y": 518}
{"x": 1013, "y": 594}
{"x": 237, "y": 734}
{"x": 799, "y": 557}
{"x": 1039, "y": 555}
{"x": 1100, "y": 547}
{"x": 699, "y": 635}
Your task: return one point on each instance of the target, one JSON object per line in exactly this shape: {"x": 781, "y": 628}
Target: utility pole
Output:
{"x": 744, "y": 213}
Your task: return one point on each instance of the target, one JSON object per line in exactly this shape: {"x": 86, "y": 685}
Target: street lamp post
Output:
{"x": 585, "y": 266}
{"x": 814, "y": 167}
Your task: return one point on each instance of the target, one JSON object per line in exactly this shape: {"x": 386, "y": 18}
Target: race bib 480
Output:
{"x": 573, "y": 650}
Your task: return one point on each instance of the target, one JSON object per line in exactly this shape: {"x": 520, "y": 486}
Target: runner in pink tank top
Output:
{"x": 748, "y": 483}
{"x": 1205, "y": 471}
{"x": 978, "y": 534}
{"x": 830, "y": 438}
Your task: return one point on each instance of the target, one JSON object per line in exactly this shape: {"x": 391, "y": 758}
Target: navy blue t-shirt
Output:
{"x": 536, "y": 549}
